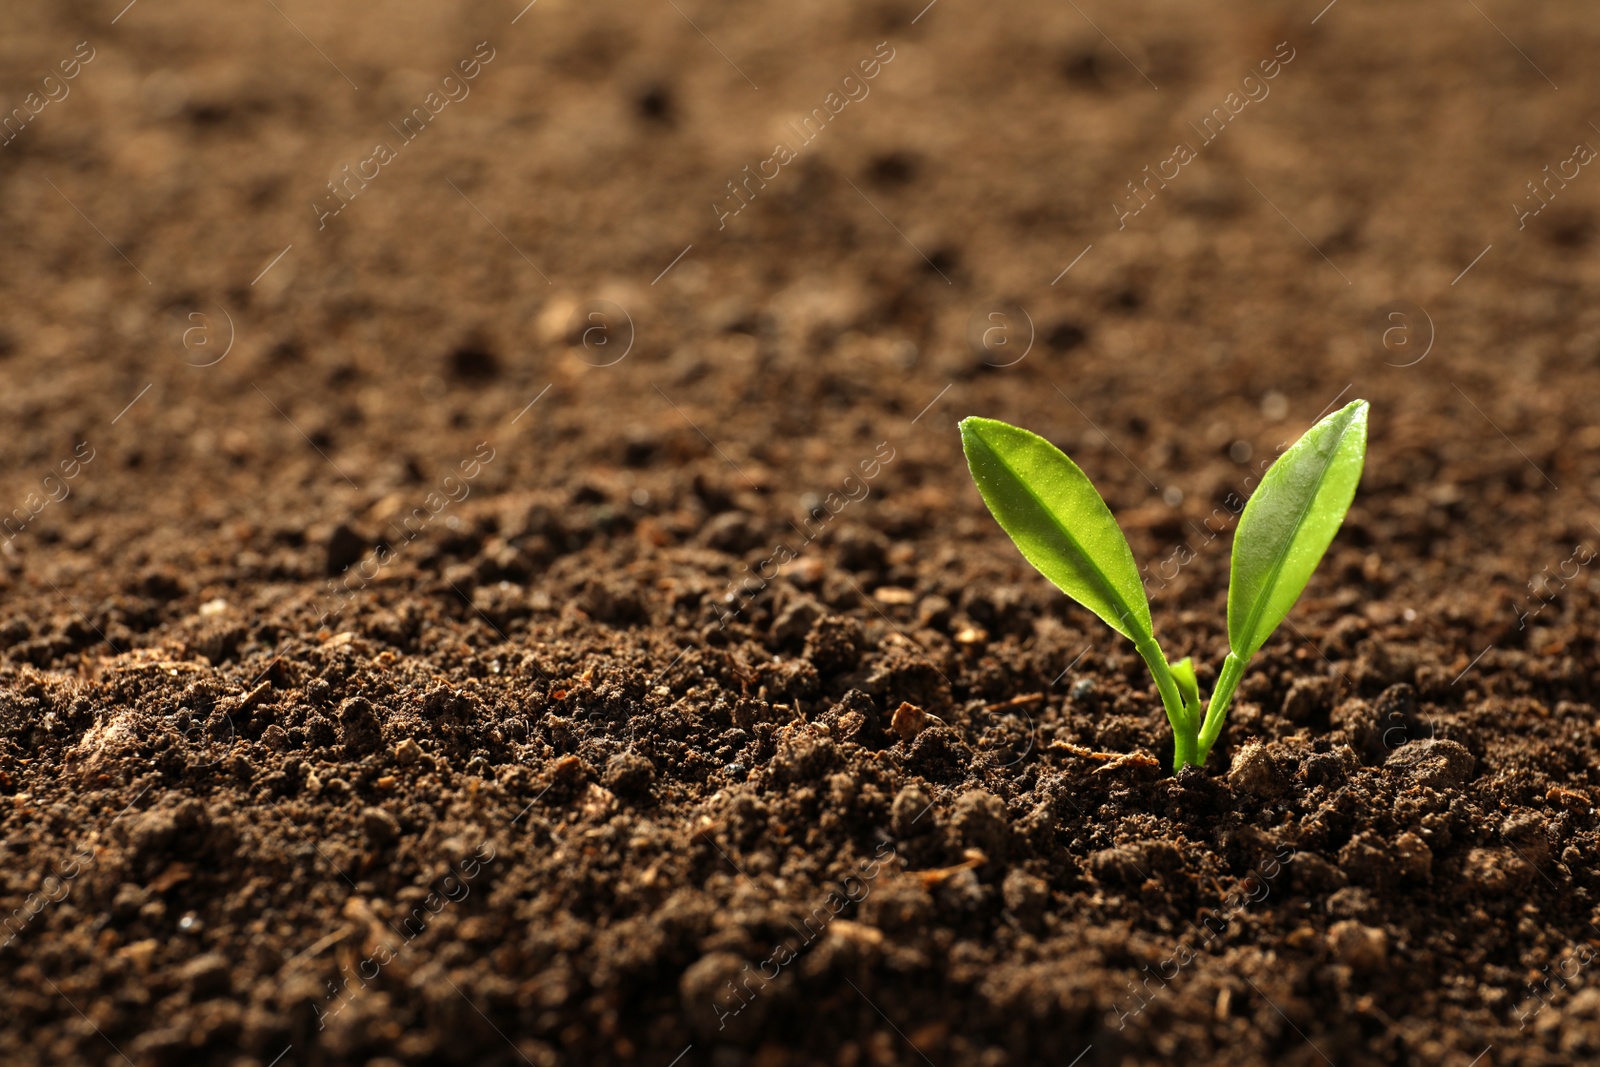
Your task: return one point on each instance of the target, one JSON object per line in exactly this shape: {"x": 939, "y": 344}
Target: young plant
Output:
{"x": 1063, "y": 527}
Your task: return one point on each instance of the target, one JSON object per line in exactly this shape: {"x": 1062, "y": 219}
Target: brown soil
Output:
{"x": 699, "y": 714}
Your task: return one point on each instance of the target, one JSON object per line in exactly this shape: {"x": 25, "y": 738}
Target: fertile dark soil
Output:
{"x": 442, "y": 627}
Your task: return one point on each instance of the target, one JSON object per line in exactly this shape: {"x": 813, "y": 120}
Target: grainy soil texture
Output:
{"x": 488, "y": 573}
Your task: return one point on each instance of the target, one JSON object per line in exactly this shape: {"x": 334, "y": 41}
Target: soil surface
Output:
{"x": 489, "y": 575}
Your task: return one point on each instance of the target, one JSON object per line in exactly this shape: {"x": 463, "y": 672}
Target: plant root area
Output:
{"x": 441, "y": 627}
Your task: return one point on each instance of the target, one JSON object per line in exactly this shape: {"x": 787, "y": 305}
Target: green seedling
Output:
{"x": 1064, "y": 528}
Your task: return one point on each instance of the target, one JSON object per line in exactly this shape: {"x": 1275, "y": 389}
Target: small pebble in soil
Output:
{"x": 407, "y": 752}
{"x": 1082, "y": 689}
{"x": 379, "y": 826}
{"x": 908, "y": 721}
{"x": 736, "y": 770}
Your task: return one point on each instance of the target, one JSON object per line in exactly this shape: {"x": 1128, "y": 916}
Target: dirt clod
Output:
{"x": 629, "y": 775}
{"x": 1432, "y": 764}
{"x": 1363, "y": 948}
{"x": 359, "y": 728}
{"x": 380, "y": 827}
{"x": 1256, "y": 773}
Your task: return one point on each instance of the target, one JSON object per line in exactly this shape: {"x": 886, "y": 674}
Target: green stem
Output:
{"x": 1185, "y": 750}
{"x": 1184, "y": 728}
{"x": 1221, "y": 697}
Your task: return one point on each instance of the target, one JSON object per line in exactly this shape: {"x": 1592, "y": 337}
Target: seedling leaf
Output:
{"x": 1055, "y": 516}
{"x": 1289, "y": 522}
{"x": 1188, "y": 686}
{"x": 1062, "y": 526}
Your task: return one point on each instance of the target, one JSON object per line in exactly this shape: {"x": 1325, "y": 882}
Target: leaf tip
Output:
{"x": 1355, "y": 412}
{"x": 972, "y": 428}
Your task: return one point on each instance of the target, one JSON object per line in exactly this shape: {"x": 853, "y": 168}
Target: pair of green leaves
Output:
{"x": 1051, "y": 510}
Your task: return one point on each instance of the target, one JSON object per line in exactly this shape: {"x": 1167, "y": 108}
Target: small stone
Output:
{"x": 379, "y": 826}
{"x": 1358, "y": 946}
{"x": 908, "y": 721}
{"x": 1082, "y": 689}
{"x": 1256, "y": 773}
{"x": 1432, "y": 764}
{"x": 407, "y": 752}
